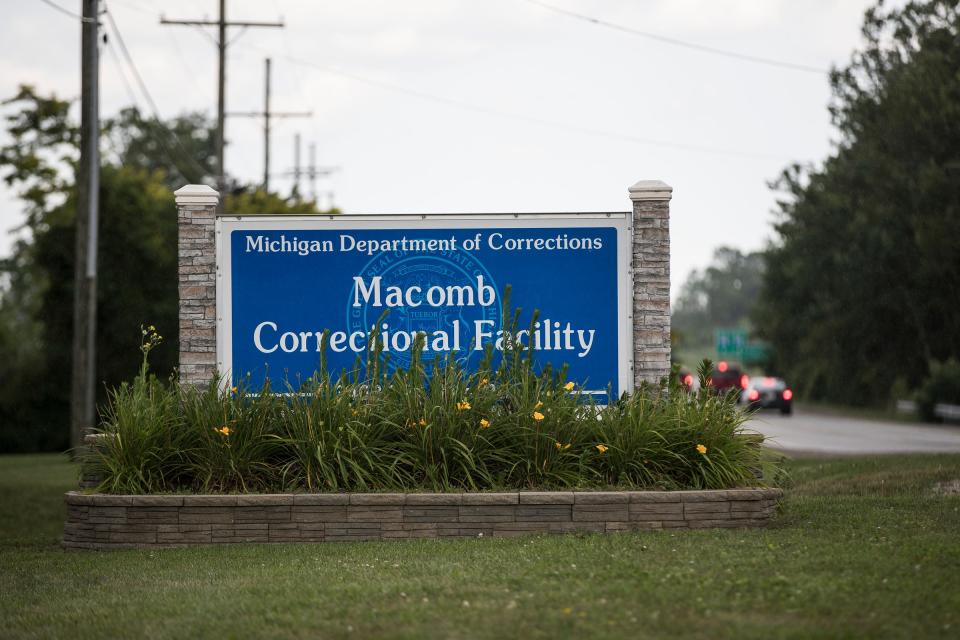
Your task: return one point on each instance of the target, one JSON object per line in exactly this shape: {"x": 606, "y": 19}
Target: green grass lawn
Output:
{"x": 863, "y": 548}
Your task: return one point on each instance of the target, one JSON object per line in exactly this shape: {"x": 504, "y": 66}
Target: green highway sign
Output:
{"x": 733, "y": 344}
{"x": 730, "y": 341}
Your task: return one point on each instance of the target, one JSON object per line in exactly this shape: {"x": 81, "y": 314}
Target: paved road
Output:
{"x": 806, "y": 431}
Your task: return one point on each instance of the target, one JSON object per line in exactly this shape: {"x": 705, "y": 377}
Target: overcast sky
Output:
{"x": 488, "y": 105}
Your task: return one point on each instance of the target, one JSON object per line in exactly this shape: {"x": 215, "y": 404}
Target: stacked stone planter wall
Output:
{"x": 99, "y": 521}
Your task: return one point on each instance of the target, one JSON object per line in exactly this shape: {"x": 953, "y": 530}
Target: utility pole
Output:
{"x": 267, "y": 115}
{"x": 83, "y": 380}
{"x": 296, "y": 166}
{"x": 312, "y": 171}
{"x": 266, "y": 127}
{"x": 222, "y": 24}
{"x": 221, "y": 101}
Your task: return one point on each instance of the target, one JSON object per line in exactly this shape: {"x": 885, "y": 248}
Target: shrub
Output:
{"x": 432, "y": 426}
{"x": 941, "y": 386}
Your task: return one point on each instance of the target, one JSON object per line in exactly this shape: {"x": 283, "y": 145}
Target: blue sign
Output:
{"x": 289, "y": 287}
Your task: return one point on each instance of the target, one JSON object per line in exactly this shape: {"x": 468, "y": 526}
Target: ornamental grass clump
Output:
{"x": 665, "y": 436}
{"x": 506, "y": 423}
{"x": 230, "y": 438}
{"x": 145, "y": 450}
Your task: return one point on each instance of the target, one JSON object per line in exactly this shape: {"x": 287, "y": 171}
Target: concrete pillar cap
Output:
{"x": 196, "y": 194}
{"x": 645, "y": 190}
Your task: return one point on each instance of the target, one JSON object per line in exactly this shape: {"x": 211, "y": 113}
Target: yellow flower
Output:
{"x": 537, "y": 416}
{"x": 568, "y": 386}
{"x": 558, "y": 446}
{"x": 602, "y": 448}
{"x": 463, "y": 406}
{"x": 233, "y": 389}
{"x": 484, "y": 423}
{"x": 483, "y": 382}
{"x": 701, "y": 449}
{"x": 423, "y": 422}
{"x": 224, "y": 430}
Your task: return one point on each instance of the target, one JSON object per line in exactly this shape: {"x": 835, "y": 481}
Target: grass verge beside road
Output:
{"x": 863, "y": 547}
{"x": 880, "y": 414}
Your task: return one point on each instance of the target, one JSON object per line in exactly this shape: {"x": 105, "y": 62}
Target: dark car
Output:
{"x": 726, "y": 377}
{"x": 769, "y": 393}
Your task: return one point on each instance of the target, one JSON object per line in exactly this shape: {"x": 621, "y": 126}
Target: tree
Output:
{"x": 721, "y": 296}
{"x": 183, "y": 148}
{"x": 137, "y": 272}
{"x": 862, "y": 284}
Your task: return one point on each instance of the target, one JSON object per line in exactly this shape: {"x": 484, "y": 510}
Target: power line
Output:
{"x": 133, "y": 66}
{"x": 131, "y": 94}
{"x": 299, "y": 84}
{"x": 677, "y": 42}
{"x": 189, "y": 73}
{"x": 67, "y": 12}
{"x": 183, "y": 62}
{"x": 284, "y": 42}
{"x": 152, "y": 104}
{"x": 133, "y": 101}
{"x": 450, "y": 102}
{"x": 468, "y": 106}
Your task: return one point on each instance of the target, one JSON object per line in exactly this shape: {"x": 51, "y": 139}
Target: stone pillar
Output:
{"x": 651, "y": 280}
{"x": 196, "y": 249}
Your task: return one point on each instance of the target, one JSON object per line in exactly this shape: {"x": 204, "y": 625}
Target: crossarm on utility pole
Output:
{"x": 216, "y": 23}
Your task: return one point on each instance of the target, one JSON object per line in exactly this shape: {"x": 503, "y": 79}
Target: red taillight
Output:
{"x": 744, "y": 381}
{"x": 753, "y": 395}
{"x": 722, "y": 366}
{"x": 688, "y": 380}
{"x": 787, "y": 394}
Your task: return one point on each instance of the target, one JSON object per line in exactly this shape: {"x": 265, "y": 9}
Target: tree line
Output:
{"x": 862, "y": 286}
{"x": 858, "y": 292}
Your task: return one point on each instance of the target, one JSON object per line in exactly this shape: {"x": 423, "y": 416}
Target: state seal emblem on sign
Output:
{"x": 405, "y": 269}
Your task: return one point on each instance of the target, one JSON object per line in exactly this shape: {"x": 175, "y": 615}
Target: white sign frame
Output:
{"x": 622, "y": 222}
